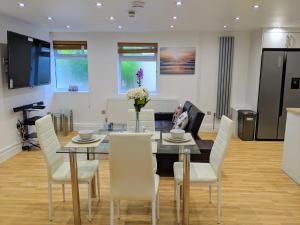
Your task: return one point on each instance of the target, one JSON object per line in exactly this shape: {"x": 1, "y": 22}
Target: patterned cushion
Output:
{"x": 182, "y": 121}
{"x": 177, "y": 113}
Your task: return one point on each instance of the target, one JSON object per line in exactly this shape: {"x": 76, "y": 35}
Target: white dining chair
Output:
{"x": 207, "y": 173}
{"x": 58, "y": 169}
{"x": 131, "y": 171}
{"x": 146, "y": 120}
{"x": 146, "y": 117}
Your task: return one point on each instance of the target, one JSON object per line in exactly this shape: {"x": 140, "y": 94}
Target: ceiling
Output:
{"x": 157, "y": 15}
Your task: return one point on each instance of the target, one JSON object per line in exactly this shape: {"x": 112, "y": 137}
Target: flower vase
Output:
{"x": 137, "y": 122}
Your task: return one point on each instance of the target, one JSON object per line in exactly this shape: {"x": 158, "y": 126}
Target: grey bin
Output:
{"x": 246, "y": 124}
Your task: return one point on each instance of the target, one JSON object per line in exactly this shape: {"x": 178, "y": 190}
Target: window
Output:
{"x": 132, "y": 57}
{"x": 71, "y": 65}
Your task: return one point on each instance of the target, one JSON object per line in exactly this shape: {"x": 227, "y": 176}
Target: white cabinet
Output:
{"x": 294, "y": 40}
{"x": 281, "y": 40}
{"x": 291, "y": 150}
{"x": 275, "y": 40}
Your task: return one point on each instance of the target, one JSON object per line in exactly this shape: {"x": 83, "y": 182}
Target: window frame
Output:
{"x": 69, "y": 56}
{"x": 136, "y": 58}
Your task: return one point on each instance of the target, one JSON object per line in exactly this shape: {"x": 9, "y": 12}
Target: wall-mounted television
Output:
{"x": 28, "y": 61}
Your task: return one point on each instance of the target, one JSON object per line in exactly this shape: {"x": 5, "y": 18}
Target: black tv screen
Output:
{"x": 28, "y": 61}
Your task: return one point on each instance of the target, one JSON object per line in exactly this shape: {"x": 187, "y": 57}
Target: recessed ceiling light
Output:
{"x": 21, "y": 4}
{"x": 225, "y": 26}
{"x": 99, "y": 4}
{"x": 49, "y": 18}
{"x": 174, "y": 17}
{"x": 256, "y": 6}
{"x": 179, "y": 3}
{"x": 120, "y": 27}
{"x": 237, "y": 18}
{"x": 68, "y": 26}
{"x": 112, "y": 18}
{"x": 172, "y": 26}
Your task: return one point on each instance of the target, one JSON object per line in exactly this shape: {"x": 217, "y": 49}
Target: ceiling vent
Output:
{"x": 138, "y": 4}
{"x": 131, "y": 13}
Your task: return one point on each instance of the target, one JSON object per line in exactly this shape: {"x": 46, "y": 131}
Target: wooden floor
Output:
{"x": 255, "y": 192}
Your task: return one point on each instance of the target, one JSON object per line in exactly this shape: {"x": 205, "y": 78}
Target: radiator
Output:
{"x": 117, "y": 108}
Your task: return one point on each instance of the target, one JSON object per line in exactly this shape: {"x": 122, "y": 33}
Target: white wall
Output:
{"x": 254, "y": 69}
{"x": 200, "y": 88}
{"x": 10, "y": 141}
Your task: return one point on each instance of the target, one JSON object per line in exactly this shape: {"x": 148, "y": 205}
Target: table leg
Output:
{"x": 186, "y": 187}
{"x": 181, "y": 153}
{"x": 91, "y": 156}
{"x": 75, "y": 190}
{"x": 65, "y": 124}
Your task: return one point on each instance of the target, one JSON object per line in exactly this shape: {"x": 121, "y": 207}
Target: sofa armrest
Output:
{"x": 167, "y": 116}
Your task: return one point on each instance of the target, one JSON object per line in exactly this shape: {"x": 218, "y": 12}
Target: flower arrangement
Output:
{"x": 140, "y": 95}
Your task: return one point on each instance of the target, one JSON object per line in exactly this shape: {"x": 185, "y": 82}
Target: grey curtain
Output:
{"x": 226, "y": 50}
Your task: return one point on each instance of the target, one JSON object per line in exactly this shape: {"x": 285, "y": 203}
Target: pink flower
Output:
{"x": 139, "y": 76}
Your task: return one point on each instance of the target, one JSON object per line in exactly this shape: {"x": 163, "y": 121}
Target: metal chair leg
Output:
{"x": 209, "y": 190}
{"x": 219, "y": 202}
{"x": 98, "y": 184}
{"x": 63, "y": 192}
{"x": 111, "y": 212}
{"x": 90, "y": 201}
{"x": 178, "y": 203}
{"x": 154, "y": 211}
{"x": 50, "y": 200}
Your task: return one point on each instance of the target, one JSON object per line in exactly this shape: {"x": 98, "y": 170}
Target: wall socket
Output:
{"x": 208, "y": 113}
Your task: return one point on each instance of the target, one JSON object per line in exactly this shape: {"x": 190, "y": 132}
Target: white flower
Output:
{"x": 138, "y": 93}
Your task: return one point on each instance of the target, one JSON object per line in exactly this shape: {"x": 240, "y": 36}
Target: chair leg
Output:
{"x": 175, "y": 189}
{"x": 154, "y": 211}
{"x": 111, "y": 212}
{"x": 157, "y": 205}
{"x": 50, "y": 200}
{"x": 118, "y": 208}
{"x": 209, "y": 190}
{"x": 98, "y": 184}
{"x": 219, "y": 202}
{"x": 63, "y": 192}
{"x": 178, "y": 203}
{"x": 90, "y": 200}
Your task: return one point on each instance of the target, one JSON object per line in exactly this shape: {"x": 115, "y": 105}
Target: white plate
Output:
{"x": 176, "y": 140}
{"x": 77, "y": 139}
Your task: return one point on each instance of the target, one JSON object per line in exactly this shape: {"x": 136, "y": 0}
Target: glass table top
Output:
{"x": 162, "y": 146}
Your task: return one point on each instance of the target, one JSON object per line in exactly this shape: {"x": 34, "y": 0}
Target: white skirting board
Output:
{"x": 9, "y": 151}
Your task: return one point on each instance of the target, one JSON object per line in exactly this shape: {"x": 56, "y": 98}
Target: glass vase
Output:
{"x": 137, "y": 122}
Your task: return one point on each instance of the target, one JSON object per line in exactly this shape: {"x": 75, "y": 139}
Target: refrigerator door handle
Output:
{"x": 282, "y": 87}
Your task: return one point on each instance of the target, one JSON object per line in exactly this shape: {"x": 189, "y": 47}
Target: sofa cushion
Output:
{"x": 177, "y": 113}
{"x": 182, "y": 121}
{"x": 195, "y": 120}
{"x": 187, "y": 105}
{"x": 163, "y": 125}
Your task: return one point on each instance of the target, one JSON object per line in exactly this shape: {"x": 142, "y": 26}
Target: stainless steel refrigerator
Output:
{"x": 279, "y": 89}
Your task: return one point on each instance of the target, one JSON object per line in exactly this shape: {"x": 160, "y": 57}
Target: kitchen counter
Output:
{"x": 294, "y": 110}
{"x": 291, "y": 148}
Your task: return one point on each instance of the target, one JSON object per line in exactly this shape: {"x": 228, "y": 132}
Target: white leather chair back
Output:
{"x": 220, "y": 146}
{"x": 131, "y": 168}
{"x": 146, "y": 117}
{"x": 49, "y": 144}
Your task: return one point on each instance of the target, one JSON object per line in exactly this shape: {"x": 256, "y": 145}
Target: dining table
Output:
{"x": 159, "y": 146}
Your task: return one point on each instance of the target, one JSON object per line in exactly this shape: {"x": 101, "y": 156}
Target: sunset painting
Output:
{"x": 177, "y": 60}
